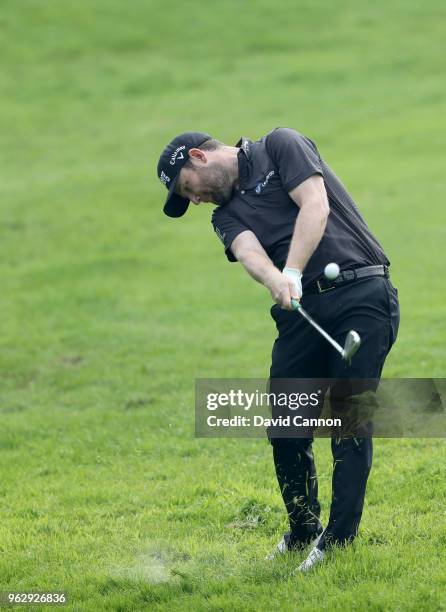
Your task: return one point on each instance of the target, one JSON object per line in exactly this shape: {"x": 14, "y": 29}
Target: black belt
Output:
{"x": 347, "y": 276}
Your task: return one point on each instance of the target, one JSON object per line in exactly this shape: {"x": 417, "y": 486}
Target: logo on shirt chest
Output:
{"x": 261, "y": 186}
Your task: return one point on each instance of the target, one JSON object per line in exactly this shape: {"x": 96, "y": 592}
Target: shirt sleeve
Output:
{"x": 295, "y": 156}
{"x": 227, "y": 228}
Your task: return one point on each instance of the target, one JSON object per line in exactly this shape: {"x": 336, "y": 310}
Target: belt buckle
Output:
{"x": 348, "y": 276}
{"x": 321, "y": 289}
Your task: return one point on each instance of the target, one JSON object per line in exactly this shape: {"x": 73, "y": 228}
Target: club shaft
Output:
{"x": 312, "y": 322}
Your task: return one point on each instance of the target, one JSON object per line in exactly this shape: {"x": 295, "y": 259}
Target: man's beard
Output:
{"x": 220, "y": 187}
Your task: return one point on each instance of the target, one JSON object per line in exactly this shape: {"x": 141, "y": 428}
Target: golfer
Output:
{"x": 284, "y": 215}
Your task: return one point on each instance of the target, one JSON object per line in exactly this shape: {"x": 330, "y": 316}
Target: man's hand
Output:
{"x": 283, "y": 286}
{"x": 295, "y": 276}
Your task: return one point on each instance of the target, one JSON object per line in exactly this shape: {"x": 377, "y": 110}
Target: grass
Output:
{"x": 110, "y": 311}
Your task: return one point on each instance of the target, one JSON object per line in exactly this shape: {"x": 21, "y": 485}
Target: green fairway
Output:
{"x": 110, "y": 311}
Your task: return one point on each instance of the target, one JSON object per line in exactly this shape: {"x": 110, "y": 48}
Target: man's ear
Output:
{"x": 198, "y": 155}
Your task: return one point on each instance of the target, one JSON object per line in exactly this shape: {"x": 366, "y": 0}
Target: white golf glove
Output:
{"x": 294, "y": 275}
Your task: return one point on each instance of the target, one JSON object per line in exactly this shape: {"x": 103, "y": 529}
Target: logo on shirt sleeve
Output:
{"x": 220, "y": 234}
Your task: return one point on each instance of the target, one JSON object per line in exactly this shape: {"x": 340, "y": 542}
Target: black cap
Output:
{"x": 172, "y": 159}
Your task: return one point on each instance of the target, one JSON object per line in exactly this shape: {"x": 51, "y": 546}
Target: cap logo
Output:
{"x": 177, "y": 154}
{"x": 164, "y": 178}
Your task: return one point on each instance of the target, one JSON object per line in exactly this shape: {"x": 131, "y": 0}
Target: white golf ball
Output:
{"x": 331, "y": 271}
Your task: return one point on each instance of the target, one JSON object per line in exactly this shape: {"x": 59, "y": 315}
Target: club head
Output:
{"x": 352, "y": 344}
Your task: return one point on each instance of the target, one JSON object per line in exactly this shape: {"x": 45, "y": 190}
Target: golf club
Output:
{"x": 352, "y": 341}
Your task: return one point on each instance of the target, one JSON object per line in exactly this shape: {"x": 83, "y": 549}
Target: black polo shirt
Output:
{"x": 269, "y": 169}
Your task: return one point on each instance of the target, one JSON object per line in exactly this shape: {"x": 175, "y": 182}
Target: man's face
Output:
{"x": 210, "y": 182}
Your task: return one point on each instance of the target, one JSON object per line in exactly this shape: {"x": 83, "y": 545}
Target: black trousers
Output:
{"x": 369, "y": 306}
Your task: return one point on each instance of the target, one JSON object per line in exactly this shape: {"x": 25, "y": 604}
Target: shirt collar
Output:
{"x": 243, "y": 157}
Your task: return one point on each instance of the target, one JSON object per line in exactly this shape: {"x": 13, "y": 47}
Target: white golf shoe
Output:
{"x": 315, "y": 557}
